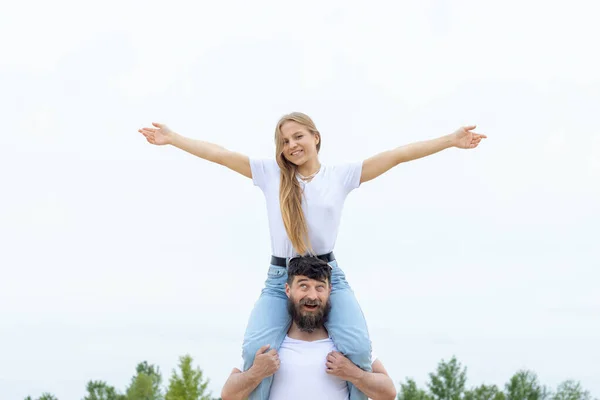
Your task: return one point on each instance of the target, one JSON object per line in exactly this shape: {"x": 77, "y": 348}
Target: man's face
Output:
{"x": 308, "y": 302}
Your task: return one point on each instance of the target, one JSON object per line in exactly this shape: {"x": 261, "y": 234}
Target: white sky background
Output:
{"x": 113, "y": 251}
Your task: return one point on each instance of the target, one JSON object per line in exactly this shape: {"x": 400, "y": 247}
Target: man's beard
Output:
{"x": 308, "y": 321}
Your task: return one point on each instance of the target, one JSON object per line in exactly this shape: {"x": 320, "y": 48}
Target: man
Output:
{"x": 308, "y": 365}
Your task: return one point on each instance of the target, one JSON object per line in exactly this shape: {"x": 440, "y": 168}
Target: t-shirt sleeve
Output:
{"x": 264, "y": 172}
{"x": 373, "y": 353}
{"x": 350, "y": 175}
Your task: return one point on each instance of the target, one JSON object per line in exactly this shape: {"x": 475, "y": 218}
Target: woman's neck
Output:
{"x": 310, "y": 167}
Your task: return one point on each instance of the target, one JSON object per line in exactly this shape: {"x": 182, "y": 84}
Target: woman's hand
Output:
{"x": 464, "y": 138}
{"x": 159, "y": 136}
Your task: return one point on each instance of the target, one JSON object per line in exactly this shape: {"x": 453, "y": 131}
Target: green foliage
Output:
{"x": 571, "y": 390}
{"x": 524, "y": 385}
{"x": 47, "y": 396}
{"x": 99, "y": 390}
{"x": 187, "y": 385}
{"x": 145, "y": 385}
{"x": 448, "y": 383}
{"x": 485, "y": 392}
{"x": 410, "y": 391}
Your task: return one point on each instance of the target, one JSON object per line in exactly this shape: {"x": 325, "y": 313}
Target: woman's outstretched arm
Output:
{"x": 463, "y": 138}
{"x": 162, "y": 135}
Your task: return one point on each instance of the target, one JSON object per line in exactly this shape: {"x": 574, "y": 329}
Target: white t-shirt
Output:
{"x": 302, "y": 372}
{"x": 322, "y": 203}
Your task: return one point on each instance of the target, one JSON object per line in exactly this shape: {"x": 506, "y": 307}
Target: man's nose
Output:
{"x": 312, "y": 294}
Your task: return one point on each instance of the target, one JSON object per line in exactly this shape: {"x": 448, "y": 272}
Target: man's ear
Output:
{"x": 287, "y": 290}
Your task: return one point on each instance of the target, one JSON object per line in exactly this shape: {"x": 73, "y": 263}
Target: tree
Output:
{"x": 99, "y": 390}
{"x": 47, "y": 396}
{"x": 145, "y": 385}
{"x": 410, "y": 391}
{"x": 571, "y": 390}
{"x": 524, "y": 385}
{"x": 188, "y": 385}
{"x": 485, "y": 392}
{"x": 449, "y": 381}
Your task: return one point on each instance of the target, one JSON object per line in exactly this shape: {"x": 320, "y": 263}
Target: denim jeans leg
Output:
{"x": 347, "y": 326}
{"x": 268, "y": 324}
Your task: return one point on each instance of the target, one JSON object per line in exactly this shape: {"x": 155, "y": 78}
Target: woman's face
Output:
{"x": 299, "y": 144}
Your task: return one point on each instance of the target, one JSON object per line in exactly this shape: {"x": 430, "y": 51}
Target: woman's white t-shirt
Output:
{"x": 322, "y": 203}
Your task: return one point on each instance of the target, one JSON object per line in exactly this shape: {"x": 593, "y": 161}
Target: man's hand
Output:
{"x": 266, "y": 363}
{"x": 338, "y": 365}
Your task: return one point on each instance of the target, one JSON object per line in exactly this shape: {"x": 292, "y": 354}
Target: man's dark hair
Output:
{"x": 309, "y": 266}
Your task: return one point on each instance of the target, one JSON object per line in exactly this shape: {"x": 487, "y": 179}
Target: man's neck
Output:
{"x": 298, "y": 334}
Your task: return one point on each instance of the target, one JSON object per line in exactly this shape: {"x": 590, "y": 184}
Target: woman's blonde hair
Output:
{"x": 290, "y": 191}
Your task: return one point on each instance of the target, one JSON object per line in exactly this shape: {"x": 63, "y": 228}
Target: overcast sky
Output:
{"x": 114, "y": 251}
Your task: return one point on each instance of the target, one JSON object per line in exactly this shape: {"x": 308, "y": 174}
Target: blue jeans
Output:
{"x": 270, "y": 321}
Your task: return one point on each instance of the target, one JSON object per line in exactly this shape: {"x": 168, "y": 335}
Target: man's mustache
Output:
{"x": 307, "y": 302}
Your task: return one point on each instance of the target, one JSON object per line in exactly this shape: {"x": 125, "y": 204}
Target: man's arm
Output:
{"x": 376, "y": 385}
{"x": 240, "y": 384}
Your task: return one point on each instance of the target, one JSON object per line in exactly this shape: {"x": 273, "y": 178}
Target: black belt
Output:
{"x": 280, "y": 261}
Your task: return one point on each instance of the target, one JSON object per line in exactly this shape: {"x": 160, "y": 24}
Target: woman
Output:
{"x": 304, "y": 204}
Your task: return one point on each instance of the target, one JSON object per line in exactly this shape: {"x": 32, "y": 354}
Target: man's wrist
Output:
{"x": 254, "y": 376}
{"x": 355, "y": 374}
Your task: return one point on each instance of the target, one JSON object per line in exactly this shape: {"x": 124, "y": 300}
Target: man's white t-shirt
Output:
{"x": 323, "y": 200}
{"x": 302, "y": 372}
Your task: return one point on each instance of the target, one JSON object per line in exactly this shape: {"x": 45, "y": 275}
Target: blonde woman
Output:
{"x": 304, "y": 205}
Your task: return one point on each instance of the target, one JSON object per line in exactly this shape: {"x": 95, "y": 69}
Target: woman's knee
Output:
{"x": 360, "y": 354}
{"x": 355, "y": 345}
{"x": 359, "y": 347}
